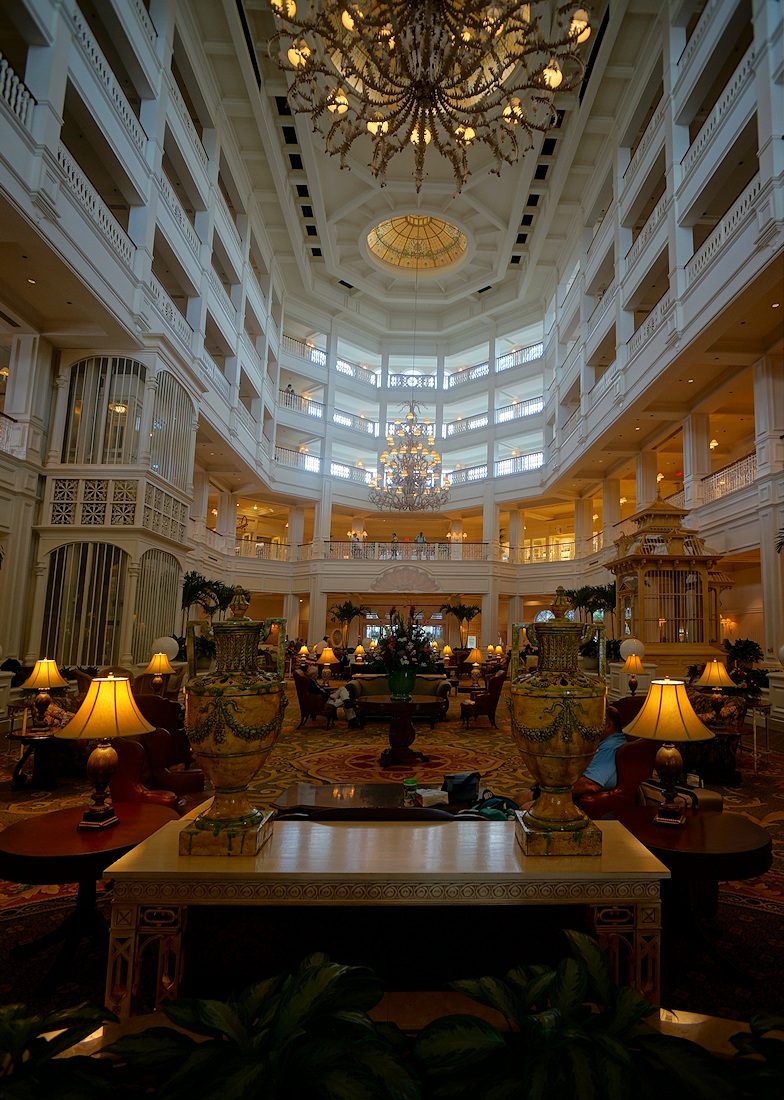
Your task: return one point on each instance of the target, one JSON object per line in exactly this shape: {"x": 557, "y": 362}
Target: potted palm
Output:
{"x": 345, "y": 613}
{"x": 464, "y": 613}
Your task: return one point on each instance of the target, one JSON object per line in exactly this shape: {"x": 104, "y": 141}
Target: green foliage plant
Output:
{"x": 29, "y": 1047}
{"x": 572, "y": 1033}
{"x": 305, "y": 1034}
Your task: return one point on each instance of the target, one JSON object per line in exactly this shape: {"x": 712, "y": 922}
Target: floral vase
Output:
{"x": 233, "y": 717}
{"x": 401, "y": 682}
{"x": 557, "y": 720}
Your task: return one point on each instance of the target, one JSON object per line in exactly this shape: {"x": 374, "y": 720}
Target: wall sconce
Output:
{"x": 713, "y": 444}
{"x": 659, "y": 477}
{"x": 622, "y": 500}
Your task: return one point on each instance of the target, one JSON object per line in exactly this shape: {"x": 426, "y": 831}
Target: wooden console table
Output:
{"x": 473, "y": 863}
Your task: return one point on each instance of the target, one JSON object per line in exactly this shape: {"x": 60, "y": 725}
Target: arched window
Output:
{"x": 84, "y": 604}
{"x": 157, "y": 601}
{"x": 170, "y": 439}
{"x": 104, "y": 411}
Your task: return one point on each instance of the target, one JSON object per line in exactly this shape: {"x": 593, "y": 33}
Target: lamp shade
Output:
{"x": 715, "y": 675}
{"x": 476, "y": 657}
{"x": 303, "y": 651}
{"x": 447, "y": 651}
{"x": 667, "y": 715}
{"x": 160, "y": 665}
{"x": 633, "y": 666}
{"x": 359, "y": 651}
{"x": 327, "y": 657}
{"x": 44, "y": 677}
{"x": 109, "y": 710}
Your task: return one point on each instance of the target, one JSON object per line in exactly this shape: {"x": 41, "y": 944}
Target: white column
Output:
{"x": 647, "y": 462}
{"x": 696, "y": 458}
{"x": 36, "y": 621}
{"x": 611, "y": 509}
{"x": 769, "y": 442}
{"x": 62, "y": 382}
{"x": 296, "y": 536}
{"x": 129, "y": 614}
{"x": 583, "y": 510}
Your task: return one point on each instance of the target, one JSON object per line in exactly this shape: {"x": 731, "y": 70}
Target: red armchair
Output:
{"x": 144, "y": 774}
{"x": 486, "y": 703}
{"x": 311, "y": 704}
{"x": 634, "y": 764}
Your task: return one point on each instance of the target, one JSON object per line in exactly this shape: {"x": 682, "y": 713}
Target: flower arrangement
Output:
{"x": 403, "y": 644}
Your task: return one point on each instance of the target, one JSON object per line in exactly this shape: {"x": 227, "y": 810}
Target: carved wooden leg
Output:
{"x": 631, "y": 935}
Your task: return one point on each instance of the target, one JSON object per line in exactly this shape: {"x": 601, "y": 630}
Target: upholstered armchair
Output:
{"x": 486, "y": 703}
{"x": 145, "y": 774}
{"x": 634, "y": 764}
{"x": 311, "y": 705}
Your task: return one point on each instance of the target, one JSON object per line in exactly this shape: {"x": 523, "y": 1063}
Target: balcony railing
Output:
{"x": 651, "y": 323}
{"x": 727, "y": 480}
{"x": 470, "y": 424}
{"x": 355, "y": 423}
{"x": 530, "y": 554}
{"x": 412, "y": 381}
{"x": 698, "y": 33}
{"x": 302, "y": 404}
{"x": 519, "y": 357}
{"x": 106, "y": 77}
{"x": 262, "y": 551}
{"x": 169, "y": 311}
{"x": 297, "y": 460}
{"x": 215, "y": 376}
{"x": 738, "y": 81}
{"x": 469, "y": 374}
{"x": 519, "y": 464}
{"x": 179, "y": 215}
{"x": 14, "y": 94}
{"x": 95, "y": 208}
{"x": 519, "y": 409}
{"x": 176, "y": 97}
{"x": 402, "y": 551}
{"x": 6, "y": 446}
{"x": 724, "y": 231}
{"x": 646, "y": 139}
{"x": 350, "y": 473}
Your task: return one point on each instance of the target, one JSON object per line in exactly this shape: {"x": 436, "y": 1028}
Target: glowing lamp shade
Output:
{"x": 476, "y": 658}
{"x": 668, "y": 716}
{"x": 44, "y": 677}
{"x": 632, "y": 666}
{"x": 159, "y": 666}
{"x": 326, "y": 659}
{"x": 715, "y": 675}
{"x": 303, "y": 651}
{"x": 447, "y": 650}
{"x": 108, "y": 711}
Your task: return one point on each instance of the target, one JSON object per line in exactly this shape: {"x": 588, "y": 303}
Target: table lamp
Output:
{"x": 476, "y": 658}
{"x": 44, "y": 677}
{"x": 715, "y": 677}
{"x": 668, "y": 716}
{"x": 359, "y": 653}
{"x": 159, "y": 666}
{"x": 499, "y": 651}
{"x": 108, "y": 711}
{"x": 446, "y": 652}
{"x": 326, "y": 659}
{"x": 633, "y": 666}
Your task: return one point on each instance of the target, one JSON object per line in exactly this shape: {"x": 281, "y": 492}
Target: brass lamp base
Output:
{"x": 101, "y": 766}
{"x": 669, "y": 765}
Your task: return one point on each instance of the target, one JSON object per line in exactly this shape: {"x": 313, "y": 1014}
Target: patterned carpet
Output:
{"x": 749, "y": 925}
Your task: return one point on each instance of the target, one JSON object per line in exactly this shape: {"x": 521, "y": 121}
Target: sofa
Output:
{"x": 377, "y": 684}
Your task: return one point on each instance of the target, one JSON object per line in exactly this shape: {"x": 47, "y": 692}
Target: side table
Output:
{"x": 50, "y": 849}
{"x": 41, "y": 742}
{"x": 762, "y": 708}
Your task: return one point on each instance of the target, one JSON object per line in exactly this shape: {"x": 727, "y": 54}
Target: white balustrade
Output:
{"x": 14, "y": 94}
{"x": 105, "y": 74}
{"x": 519, "y": 357}
{"x": 650, "y": 324}
{"x": 169, "y": 311}
{"x": 176, "y": 97}
{"x": 723, "y": 232}
{"x": 179, "y": 215}
{"x": 735, "y": 476}
{"x": 96, "y": 209}
{"x": 740, "y": 78}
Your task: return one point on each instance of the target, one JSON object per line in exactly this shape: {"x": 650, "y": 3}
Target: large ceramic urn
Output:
{"x": 233, "y": 717}
{"x": 557, "y": 720}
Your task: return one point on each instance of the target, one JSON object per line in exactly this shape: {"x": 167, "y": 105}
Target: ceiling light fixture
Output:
{"x": 438, "y": 73}
{"x": 409, "y": 479}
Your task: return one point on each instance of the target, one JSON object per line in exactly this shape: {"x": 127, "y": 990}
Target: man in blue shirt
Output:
{"x": 600, "y": 775}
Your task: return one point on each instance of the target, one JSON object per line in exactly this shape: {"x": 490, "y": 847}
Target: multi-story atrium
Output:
{"x": 208, "y": 329}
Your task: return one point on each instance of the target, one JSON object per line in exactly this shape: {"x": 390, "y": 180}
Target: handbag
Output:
{"x": 462, "y": 786}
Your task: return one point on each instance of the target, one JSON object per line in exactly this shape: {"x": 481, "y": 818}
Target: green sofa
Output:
{"x": 377, "y": 684}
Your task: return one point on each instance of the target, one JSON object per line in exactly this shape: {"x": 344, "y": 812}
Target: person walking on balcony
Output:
{"x": 393, "y": 540}
{"x": 421, "y": 541}
{"x": 290, "y": 395}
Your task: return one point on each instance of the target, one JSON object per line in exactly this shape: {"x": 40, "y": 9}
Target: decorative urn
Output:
{"x": 233, "y": 717}
{"x": 558, "y": 716}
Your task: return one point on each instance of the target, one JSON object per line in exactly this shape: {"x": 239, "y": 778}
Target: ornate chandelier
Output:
{"x": 409, "y": 479}
{"x": 446, "y": 73}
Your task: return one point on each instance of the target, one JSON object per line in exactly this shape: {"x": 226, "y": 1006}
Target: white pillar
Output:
{"x": 696, "y": 458}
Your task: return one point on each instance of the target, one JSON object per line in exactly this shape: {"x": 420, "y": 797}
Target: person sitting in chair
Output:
{"x": 338, "y": 698}
{"x": 600, "y": 775}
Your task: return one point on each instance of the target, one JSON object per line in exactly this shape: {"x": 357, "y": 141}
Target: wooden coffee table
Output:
{"x": 401, "y": 724}
{"x": 357, "y": 802}
{"x": 50, "y": 849}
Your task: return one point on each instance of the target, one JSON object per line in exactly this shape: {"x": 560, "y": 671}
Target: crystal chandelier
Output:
{"x": 413, "y": 73}
{"x": 409, "y": 479}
